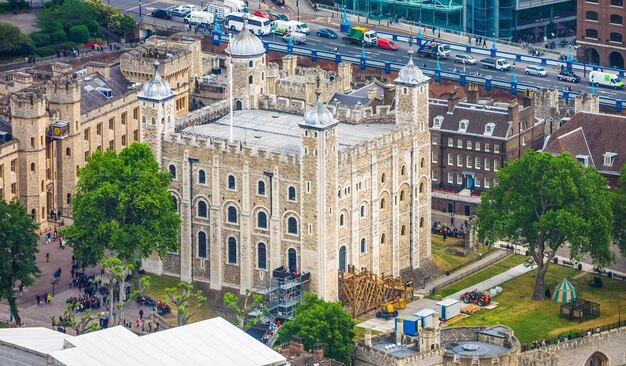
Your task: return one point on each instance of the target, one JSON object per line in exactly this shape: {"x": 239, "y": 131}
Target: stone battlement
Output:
{"x": 29, "y": 104}
{"x": 373, "y": 145}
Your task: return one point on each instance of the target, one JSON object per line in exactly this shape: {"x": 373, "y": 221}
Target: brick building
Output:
{"x": 600, "y": 32}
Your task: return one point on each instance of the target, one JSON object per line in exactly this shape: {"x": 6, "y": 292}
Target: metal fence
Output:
{"x": 454, "y": 278}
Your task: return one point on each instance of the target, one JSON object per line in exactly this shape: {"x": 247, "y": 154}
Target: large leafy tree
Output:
{"x": 619, "y": 212}
{"x": 544, "y": 202}
{"x": 326, "y": 323}
{"x": 13, "y": 42}
{"x": 122, "y": 205}
{"x": 18, "y": 247}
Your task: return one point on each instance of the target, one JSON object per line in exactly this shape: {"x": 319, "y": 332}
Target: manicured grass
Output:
{"x": 158, "y": 284}
{"x": 359, "y": 333}
{"x": 495, "y": 269}
{"x": 536, "y": 320}
{"x": 445, "y": 259}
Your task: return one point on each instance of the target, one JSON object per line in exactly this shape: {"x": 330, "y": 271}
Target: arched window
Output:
{"x": 403, "y": 170}
{"x": 401, "y": 195}
{"x": 33, "y": 213}
{"x": 292, "y": 194}
{"x": 172, "y": 169}
{"x": 32, "y": 167}
{"x": 422, "y": 222}
{"x": 292, "y": 260}
{"x": 591, "y": 33}
{"x": 250, "y": 63}
{"x": 68, "y": 198}
{"x": 382, "y": 203}
{"x": 175, "y": 203}
{"x": 422, "y": 163}
{"x": 342, "y": 258}
{"x": 382, "y": 178}
{"x": 261, "y": 220}
{"x": 616, "y": 19}
{"x": 362, "y": 210}
{"x": 201, "y": 176}
{"x": 363, "y": 246}
{"x": 496, "y": 165}
{"x": 260, "y": 188}
{"x": 202, "y": 247}
{"x": 232, "y": 250}
{"x": 477, "y": 161}
{"x": 383, "y": 238}
{"x": 232, "y": 214}
{"x": 202, "y": 209}
{"x": 403, "y": 230}
{"x": 232, "y": 183}
{"x": 68, "y": 152}
{"x": 261, "y": 256}
{"x": 292, "y": 225}
{"x": 487, "y": 164}
{"x": 341, "y": 220}
{"x": 591, "y": 15}
{"x": 616, "y": 37}
{"x": 421, "y": 187}
{"x": 250, "y": 79}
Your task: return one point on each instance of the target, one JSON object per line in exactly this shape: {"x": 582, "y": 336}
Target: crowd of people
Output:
{"x": 449, "y": 231}
{"x": 81, "y": 303}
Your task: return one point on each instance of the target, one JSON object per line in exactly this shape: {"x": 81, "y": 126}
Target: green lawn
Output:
{"x": 158, "y": 284}
{"x": 495, "y": 269}
{"x": 443, "y": 253}
{"x": 536, "y": 320}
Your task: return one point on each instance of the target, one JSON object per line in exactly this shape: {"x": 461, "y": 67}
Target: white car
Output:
{"x": 465, "y": 59}
{"x": 187, "y": 8}
{"x": 536, "y": 70}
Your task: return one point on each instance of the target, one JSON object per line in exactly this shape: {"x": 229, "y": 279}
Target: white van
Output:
{"x": 202, "y": 18}
{"x": 236, "y": 6}
{"x": 605, "y": 79}
{"x": 296, "y": 37}
{"x": 301, "y": 27}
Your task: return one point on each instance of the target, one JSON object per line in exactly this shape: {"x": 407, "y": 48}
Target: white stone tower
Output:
{"x": 430, "y": 338}
{"x": 248, "y": 62}
{"x": 412, "y": 112}
{"x": 319, "y": 176}
{"x": 157, "y": 111}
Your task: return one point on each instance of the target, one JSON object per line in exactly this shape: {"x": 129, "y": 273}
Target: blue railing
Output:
{"x": 436, "y": 74}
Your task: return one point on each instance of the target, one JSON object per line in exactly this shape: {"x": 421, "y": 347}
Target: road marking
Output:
{"x": 137, "y": 7}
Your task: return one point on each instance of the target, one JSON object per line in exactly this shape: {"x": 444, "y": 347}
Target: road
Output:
{"x": 399, "y": 56}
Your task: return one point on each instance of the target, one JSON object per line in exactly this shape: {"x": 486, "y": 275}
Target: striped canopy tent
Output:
{"x": 564, "y": 292}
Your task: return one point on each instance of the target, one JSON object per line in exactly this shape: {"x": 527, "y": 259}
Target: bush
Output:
{"x": 52, "y": 49}
{"x": 13, "y": 42}
{"x": 93, "y": 26}
{"x": 40, "y": 39}
{"x": 79, "y": 34}
{"x": 58, "y": 36}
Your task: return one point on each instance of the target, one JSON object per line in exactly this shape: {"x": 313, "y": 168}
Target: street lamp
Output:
{"x": 140, "y": 7}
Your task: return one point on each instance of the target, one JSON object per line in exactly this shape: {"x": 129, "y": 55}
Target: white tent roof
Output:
{"x": 37, "y": 339}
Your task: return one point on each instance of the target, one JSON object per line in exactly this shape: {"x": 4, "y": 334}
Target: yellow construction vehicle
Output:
{"x": 389, "y": 309}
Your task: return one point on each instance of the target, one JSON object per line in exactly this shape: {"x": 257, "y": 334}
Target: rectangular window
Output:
{"x": 13, "y": 165}
{"x": 111, "y": 144}
{"x": 124, "y": 117}
{"x": 32, "y": 142}
{"x": 308, "y": 187}
{"x": 477, "y": 145}
{"x": 487, "y": 164}
{"x": 434, "y": 176}
{"x": 468, "y": 161}
{"x": 123, "y": 140}
{"x": 487, "y": 183}
{"x": 469, "y": 145}
{"x": 1, "y": 193}
{"x": 435, "y": 140}
{"x": 136, "y": 135}
{"x": 111, "y": 123}
{"x": 450, "y": 159}
{"x": 1, "y": 171}
{"x": 459, "y": 143}
{"x": 99, "y": 129}
{"x": 450, "y": 177}
{"x": 459, "y": 178}
{"x": 435, "y": 156}
{"x": 450, "y": 142}
{"x": 13, "y": 188}
{"x": 477, "y": 181}
{"x": 496, "y": 148}
{"x": 487, "y": 147}
{"x": 477, "y": 163}
{"x": 86, "y": 134}
{"x": 459, "y": 160}
{"x": 136, "y": 113}
{"x": 86, "y": 155}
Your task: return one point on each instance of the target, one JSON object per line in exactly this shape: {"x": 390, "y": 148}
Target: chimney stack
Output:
{"x": 472, "y": 94}
{"x": 453, "y": 99}
{"x": 371, "y": 94}
{"x": 514, "y": 112}
{"x": 318, "y": 353}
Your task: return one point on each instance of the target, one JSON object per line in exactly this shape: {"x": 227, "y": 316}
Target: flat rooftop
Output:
{"x": 476, "y": 348}
{"x": 402, "y": 351}
{"x": 278, "y": 131}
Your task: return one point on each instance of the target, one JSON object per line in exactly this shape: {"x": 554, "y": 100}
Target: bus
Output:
{"x": 256, "y": 25}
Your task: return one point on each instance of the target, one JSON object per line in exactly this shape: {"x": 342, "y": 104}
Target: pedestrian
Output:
{"x": 141, "y": 314}
{"x": 38, "y": 297}
{"x": 469, "y": 40}
{"x": 137, "y": 321}
{"x": 485, "y": 42}
{"x": 54, "y": 322}
{"x": 49, "y": 298}
{"x": 21, "y": 288}
{"x": 47, "y": 257}
{"x": 150, "y": 327}
{"x": 102, "y": 271}
{"x": 10, "y": 316}
{"x": 433, "y": 30}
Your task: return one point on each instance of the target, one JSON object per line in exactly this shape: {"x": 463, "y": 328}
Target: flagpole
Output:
{"x": 230, "y": 82}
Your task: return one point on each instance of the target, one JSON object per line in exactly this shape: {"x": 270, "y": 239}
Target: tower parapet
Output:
{"x": 28, "y": 104}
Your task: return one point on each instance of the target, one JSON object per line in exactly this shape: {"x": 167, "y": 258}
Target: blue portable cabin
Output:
{"x": 425, "y": 317}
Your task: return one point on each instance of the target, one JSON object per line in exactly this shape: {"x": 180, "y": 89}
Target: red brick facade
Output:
{"x": 600, "y": 32}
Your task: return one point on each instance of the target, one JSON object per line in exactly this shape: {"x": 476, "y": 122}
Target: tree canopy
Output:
{"x": 241, "y": 313}
{"x": 544, "y": 202}
{"x": 326, "y": 323}
{"x": 122, "y": 204}
{"x": 13, "y": 42}
{"x": 18, "y": 247}
{"x": 185, "y": 299}
{"x": 619, "y": 212}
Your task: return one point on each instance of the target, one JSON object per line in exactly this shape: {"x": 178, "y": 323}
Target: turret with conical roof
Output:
{"x": 156, "y": 89}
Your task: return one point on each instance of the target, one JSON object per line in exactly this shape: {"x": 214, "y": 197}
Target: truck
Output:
{"x": 219, "y": 11}
{"x": 201, "y": 18}
{"x": 235, "y": 6}
{"x": 495, "y": 63}
{"x": 435, "y": 50}
{"x": 605, "y": 79}
{"x": 361, "y": 35}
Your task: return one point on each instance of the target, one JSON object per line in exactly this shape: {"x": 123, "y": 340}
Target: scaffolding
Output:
{"x": 364, "y": 291}
{"x": 283, "y": 293}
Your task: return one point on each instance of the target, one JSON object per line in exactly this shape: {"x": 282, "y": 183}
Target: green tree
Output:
{"x": 619, "y": 212}
{"x": 18, "y": 247}
{"x": 82, "y": 322}
{"x": 121, "y": 204}
{"x": 327, "y": 323}
{"x": 79, "y": 34}
{"x": 544, "y": 202}
{"x": 241, "y": 313}
{"x": 48, "y": 20}
{"x": 13, "y": 42}
{"x": 116, "y": 272}
{"x": 121, "y": 24}
{"x": 93, "y": 26}
{"x": 185, "y": 299}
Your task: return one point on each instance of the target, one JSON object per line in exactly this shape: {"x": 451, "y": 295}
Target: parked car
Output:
{"x": 465, "y": 59}
{"x": 297, "y": 37}
{"x": 187, "y": 7}
{"x": 279, "y": 2}
{"x": 387, "y": 44}
{"x": 277, "y": 16}
{"x": 326, "y": 33}
{"x": 261, "y": 13}
{"x": 536, "y": 70}
{"x": 568, "y": 75}
{"x": 178, "y": 12}
{"x": 161, "y": 13}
